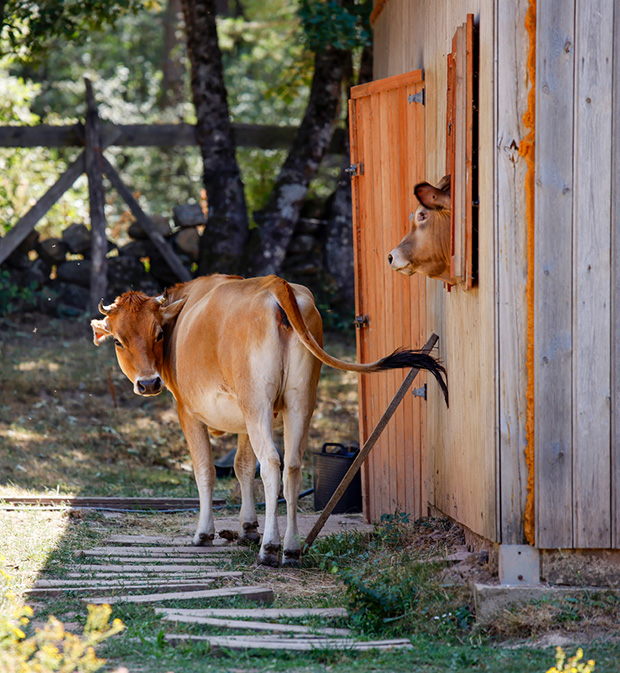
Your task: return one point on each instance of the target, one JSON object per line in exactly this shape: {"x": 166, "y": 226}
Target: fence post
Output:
{"x": 94, "y": 171}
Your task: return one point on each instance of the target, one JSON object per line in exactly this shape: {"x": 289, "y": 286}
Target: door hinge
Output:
{"x": 420, "y": 392}
{"x": 355, "y": 169}
{"x": 417, "y": 97}
{"x": 360, "y": 321}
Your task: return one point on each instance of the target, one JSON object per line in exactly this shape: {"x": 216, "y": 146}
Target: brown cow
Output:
{"x": 236, "y": 353}
{"x": 426, "y": 248}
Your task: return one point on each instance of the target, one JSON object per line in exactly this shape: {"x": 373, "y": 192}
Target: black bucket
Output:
{"x": 329, "y": 469}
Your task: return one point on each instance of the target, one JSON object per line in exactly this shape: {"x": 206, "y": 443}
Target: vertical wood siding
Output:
{"x": 512, "y": 88}
{"x": 387, "y": 135}
{"x": 474, "y": 466}
{"x": 460, "y": 463}
{"x": 615, "y": 290}
{"x": 574, "y": 299}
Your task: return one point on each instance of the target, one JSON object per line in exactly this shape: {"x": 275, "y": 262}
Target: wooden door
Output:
{"x": 387, "y": 146}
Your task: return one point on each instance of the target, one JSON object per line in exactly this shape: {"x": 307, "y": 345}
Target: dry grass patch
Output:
{"x": 592, "y": 617}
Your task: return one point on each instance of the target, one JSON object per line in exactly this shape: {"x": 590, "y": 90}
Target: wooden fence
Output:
{"x": 95, "y": 137}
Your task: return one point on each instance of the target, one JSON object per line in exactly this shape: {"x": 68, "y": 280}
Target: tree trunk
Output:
{"x": 226, "y": 234}
{"x": 172, "y": 68}
{"x": 278, "y": 219}
{"x": 339, "y": 243}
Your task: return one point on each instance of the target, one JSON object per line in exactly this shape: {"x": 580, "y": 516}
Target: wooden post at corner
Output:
{"x": 96, "y": 194}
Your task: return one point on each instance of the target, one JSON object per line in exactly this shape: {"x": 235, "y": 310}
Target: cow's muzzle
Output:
{"x": 399, "y": 263}
{"x": 148, "y": 386}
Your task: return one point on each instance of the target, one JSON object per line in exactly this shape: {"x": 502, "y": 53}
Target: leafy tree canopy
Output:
{"x": 343, "y": 25}
{"x": 30, "y": 27}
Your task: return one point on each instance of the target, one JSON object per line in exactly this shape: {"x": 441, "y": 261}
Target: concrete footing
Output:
{"x": 490, "y": 599}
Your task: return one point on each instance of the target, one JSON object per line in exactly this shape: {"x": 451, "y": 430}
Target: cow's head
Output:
{"x": 426, "y": 248}
{"x": 136, "y": 323}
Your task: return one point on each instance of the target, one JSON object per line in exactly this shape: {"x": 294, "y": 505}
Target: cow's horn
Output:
{"x": 161, "y": 300}
{"x": 104, "y": 309}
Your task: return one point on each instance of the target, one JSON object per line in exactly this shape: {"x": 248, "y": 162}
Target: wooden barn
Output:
{"x": 521, "y": 106}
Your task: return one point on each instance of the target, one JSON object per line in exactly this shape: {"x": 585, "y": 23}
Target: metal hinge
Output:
{"x": 416, "y": 97}
{"x": 360, "y": 321}
{"x": 420, "y": 392}
{"x": 355, "y": 169}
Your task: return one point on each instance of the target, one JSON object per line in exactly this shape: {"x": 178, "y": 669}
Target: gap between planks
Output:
{"x": 260, "y": 594}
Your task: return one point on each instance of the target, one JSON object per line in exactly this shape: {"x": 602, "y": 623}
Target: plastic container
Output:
{"x": 329, "y": 468}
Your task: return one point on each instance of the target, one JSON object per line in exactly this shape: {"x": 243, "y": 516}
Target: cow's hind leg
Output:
{"x": 245, "y": 469}
{"x": 296, "y": 414}
{"x": 197, "y": 437}
{"x": 260, "y": 432}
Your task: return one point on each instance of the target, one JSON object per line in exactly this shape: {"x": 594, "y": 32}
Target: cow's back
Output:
{"x": 233, "y": 336}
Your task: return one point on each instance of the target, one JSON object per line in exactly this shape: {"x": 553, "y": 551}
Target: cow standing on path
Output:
{"x": 236, "y": 353}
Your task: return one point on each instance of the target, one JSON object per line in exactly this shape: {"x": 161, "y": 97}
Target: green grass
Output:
{"x": 70, "y": 424}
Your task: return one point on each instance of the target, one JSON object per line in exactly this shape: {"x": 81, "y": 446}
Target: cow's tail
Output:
{"x": 399, "y": 359}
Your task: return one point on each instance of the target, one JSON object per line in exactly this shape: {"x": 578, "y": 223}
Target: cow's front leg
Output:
{"x": 197, "y": 437}
{"x": 245, "y": 469}
{"x": 269, "y": 458}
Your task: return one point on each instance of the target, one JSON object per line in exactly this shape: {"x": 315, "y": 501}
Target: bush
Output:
{"x": 572, "y": 665}
{"x": 13, "y": 297}
{"x": 52, "y": 648}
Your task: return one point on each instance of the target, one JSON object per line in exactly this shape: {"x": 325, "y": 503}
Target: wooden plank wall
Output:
{"x": 462, "y": 448}
{"x": 615, "y": 290}
{"x": 388, "y": 137}
{"x": 512, "y": 86}
{"x": 574, "y": 309}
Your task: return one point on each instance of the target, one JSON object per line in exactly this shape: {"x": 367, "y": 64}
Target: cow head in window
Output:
{"x": 426, "y": 247}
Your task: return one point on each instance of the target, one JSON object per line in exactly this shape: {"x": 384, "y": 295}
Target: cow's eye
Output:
{"x": 160, "y": 336}
{"x": 117, "y": 343}
{"x": 421, "y": 216}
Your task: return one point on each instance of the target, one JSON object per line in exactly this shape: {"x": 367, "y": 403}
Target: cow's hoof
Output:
{"x": 229, "y": 535}
{"x": 292, "y": 558}
{"x": 249, "y": 534}
{"x": 203, "y": 540}
{"x": 269, "y": 556}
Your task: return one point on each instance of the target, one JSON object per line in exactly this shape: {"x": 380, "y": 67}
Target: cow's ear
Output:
{"x": 171, "y": 311}
{"x": 432, "y": 197}
{"x": 101, "y": 330}
{"x": 444, "y": 184}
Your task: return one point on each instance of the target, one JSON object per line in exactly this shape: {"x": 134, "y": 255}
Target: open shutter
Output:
{"x": 387, "y": 156}
{"x": 460, "y": 152}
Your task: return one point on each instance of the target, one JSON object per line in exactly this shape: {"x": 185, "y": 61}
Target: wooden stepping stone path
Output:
{"x": 152, "y": 569}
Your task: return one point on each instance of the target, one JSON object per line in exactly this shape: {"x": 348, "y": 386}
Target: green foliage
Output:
{"x": 32, "y": 28}
{"x": 376, "y": 601}
{"x": 336, "y": 551}
{"x": 343, "y": 25}
{"x": 14, "y": 297}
